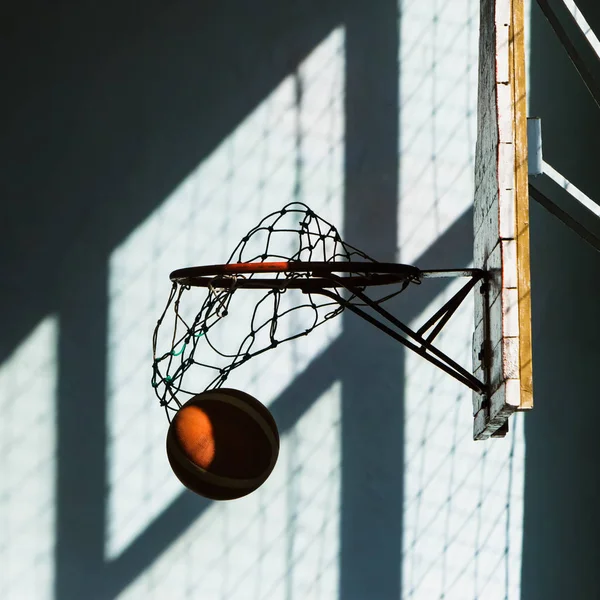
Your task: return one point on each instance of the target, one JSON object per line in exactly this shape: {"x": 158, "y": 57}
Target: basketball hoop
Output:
{"x": 293, "y": 249}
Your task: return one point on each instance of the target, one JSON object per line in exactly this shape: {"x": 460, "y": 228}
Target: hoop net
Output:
{"x": 200, "y": 349}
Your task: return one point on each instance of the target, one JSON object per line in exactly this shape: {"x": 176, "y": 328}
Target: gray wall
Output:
{"x": 102, "y": 112}
{"x": 562, "y": 482}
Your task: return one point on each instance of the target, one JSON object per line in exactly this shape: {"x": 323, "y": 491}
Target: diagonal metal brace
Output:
{"x": 414, "y": 340}
{"x": 442, "y": 316}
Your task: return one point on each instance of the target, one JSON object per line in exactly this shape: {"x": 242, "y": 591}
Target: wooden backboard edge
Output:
{"x": 519, "y": 90}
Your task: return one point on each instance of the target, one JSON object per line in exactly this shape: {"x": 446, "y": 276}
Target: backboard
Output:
{"x": 502, "y": 335}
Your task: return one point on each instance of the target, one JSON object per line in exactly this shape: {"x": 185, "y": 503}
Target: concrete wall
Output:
{"x": 562, "y": 482}
{"x": 126, "y": 152}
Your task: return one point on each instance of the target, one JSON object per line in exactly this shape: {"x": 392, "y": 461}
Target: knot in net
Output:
{"x": 290, "y": 268}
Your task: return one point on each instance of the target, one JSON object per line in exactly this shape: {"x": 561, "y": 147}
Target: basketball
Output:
{"x": 223, "y": 444}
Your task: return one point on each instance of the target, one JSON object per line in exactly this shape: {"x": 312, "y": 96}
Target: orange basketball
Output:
{"x": 223, "y": 444}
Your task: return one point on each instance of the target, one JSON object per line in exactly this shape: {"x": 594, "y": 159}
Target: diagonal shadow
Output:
{"x": 114, "y": 113}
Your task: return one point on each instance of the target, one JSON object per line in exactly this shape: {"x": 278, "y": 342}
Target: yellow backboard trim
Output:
{"x": 519, "y": 90}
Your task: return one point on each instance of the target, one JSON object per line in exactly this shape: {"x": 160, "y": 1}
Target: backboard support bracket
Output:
{"x": 421, "y": 340}
{"x": 557, "y": 195}
{"x": 587, "y": 44}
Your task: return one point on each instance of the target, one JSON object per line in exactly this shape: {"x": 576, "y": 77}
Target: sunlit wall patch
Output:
{"x": 438, "y": 118}
{"x": 28, "y": 382}
{"x": 289, "y": 148}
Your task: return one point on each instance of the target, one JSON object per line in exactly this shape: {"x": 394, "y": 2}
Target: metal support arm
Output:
{"x": 415, "y": 340}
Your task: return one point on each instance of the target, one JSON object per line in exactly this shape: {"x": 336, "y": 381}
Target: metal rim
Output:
{"x": 321, "y": 275}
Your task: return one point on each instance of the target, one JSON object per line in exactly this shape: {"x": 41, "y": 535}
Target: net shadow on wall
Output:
{"x": 463, "y": 502}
